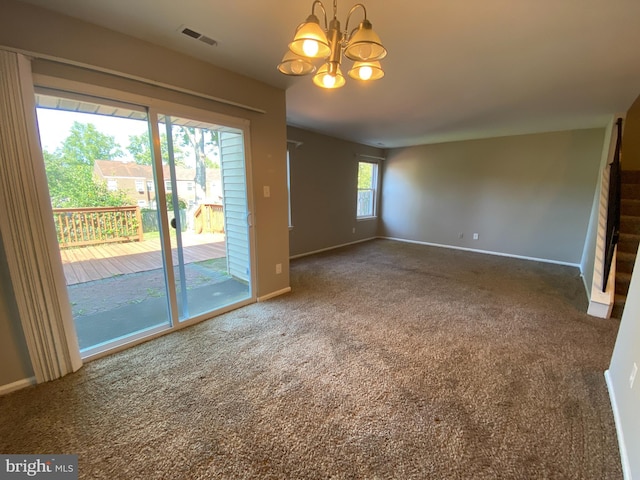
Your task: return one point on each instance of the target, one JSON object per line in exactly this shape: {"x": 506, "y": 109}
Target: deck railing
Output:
{"x": 76, "y": 227}
{"x": 209, "y": 218}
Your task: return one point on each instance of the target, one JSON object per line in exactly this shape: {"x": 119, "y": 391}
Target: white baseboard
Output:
{"x": 587, "y": 288}
{"x": 599, "y": 310}
{"x": 300, "y": 255}
{"x": 277, "y": 293}
{"x": 20, "y": 384}
{"x": 626, "y": 468}
{"x": 487, "y": 252}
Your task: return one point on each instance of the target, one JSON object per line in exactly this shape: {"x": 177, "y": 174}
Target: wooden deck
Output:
{"x": 85, "y": 264}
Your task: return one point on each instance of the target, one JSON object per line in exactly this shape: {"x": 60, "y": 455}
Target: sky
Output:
{"x": 55, "y": 126}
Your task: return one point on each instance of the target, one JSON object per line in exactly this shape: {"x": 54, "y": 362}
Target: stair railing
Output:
{"x": 613, "y": 208}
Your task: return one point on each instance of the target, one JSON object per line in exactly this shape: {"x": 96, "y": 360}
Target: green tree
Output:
{"x": 365, "y": 175}
{"x": 204, "y": 143}
{"x": 70, "y": 170}
{"x": 181, "y": 203}
{"x": 85, "y": 144}
{"x": 140, "y": 148}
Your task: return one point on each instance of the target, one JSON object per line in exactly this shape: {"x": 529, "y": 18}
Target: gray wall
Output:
{"x": 32, "y": 29}
{"x": 526, "y": 195}
{"x": 324, "y": 172}
{"x": 627, "y": 352}
{"x": 14, "y": 357}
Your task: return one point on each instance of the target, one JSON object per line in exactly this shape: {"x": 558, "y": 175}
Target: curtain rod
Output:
{"x": 86, "y": 66}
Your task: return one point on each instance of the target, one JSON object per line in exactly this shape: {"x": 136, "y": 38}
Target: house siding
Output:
{"x": 234, "y": 188}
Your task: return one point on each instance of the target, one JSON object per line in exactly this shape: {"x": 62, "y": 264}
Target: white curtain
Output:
{"x": 26, "y": 226}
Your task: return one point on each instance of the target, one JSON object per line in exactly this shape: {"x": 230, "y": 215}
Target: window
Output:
{"x": 112, "y": 185}
{"x": 189, "y": 186}
{"x": 140, "y": 186}
{"x": 149, "y": 186}
{"x": 367, "y": 188}
{"x": 167, "y": 186}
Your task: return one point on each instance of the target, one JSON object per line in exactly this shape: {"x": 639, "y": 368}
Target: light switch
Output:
{"x": 267, "y": 191}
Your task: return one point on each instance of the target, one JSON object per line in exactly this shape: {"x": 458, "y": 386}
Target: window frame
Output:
{"x": 375, "y": 182}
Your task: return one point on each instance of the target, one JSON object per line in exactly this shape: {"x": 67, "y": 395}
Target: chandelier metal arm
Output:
{"x": 353, "y": 9}
{"x": 324, "y": 12}
{"x": 311, "y": 42}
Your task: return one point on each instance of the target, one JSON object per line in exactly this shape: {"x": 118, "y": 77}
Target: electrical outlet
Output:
{"x": 476, "y": 236}
{"x": 353, "y": 230}
{"x": 278, "y": 268}
{"x": 461, "y": 235}
{"x": 632, "y": 377}
{"x": 266, "y": 191}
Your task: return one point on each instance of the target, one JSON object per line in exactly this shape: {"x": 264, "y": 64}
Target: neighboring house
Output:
{"x": 137, "y": 182}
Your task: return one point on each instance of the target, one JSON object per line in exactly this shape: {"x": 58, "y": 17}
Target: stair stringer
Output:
{"x": 601, "y": 302}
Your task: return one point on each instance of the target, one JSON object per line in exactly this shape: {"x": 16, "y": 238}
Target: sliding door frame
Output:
{"x": 155, "y": 108}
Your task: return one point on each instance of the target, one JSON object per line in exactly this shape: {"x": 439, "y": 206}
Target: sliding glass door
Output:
{"x": 205, "y": 185}
{"x": 151, "y": 212}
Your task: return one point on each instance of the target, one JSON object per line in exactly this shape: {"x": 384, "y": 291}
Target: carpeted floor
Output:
{"x": 387, "y": 361}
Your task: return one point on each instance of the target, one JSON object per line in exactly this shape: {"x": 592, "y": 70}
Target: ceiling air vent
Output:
{"x": 189, "y": 32}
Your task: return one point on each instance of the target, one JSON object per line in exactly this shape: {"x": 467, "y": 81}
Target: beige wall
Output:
{"x": 631, "y": 138}
{"x": 324, "y": 172}
{"x": 32, "y": 29}
{"x": 626, "y": 352}
{"x": 526, "y": 195}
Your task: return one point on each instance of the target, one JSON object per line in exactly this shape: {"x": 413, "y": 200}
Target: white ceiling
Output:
{"x": 456, "y": 69}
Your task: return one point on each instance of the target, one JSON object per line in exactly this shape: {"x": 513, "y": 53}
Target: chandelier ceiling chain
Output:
{"x": 311, "y": 42}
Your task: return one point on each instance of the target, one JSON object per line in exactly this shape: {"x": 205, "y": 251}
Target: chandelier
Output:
{"x": 311, "y": 42}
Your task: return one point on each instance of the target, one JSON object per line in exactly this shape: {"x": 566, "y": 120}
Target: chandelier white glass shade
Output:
{"x": 311, "y": 42}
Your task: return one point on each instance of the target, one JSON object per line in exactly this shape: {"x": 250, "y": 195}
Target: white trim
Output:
{"x": 296, "y": 143}
{"x": 596, "y": 295}
{"x": 587, "y": 288}
{"x": 373, "y": 157}
{"x": 19, "y": 385}
{"x": 63, "y": 86}
{"x": 300, "y": 255}
{"x": 607, "y": 298}
{"x": 624, "y": 458}
{"x": 152, "y": 334}
{"x": 277, "y": 293}
{"x": 136, "y": 78}
{"x": 487, "y": 252}
{"x": 599, "y": 310}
